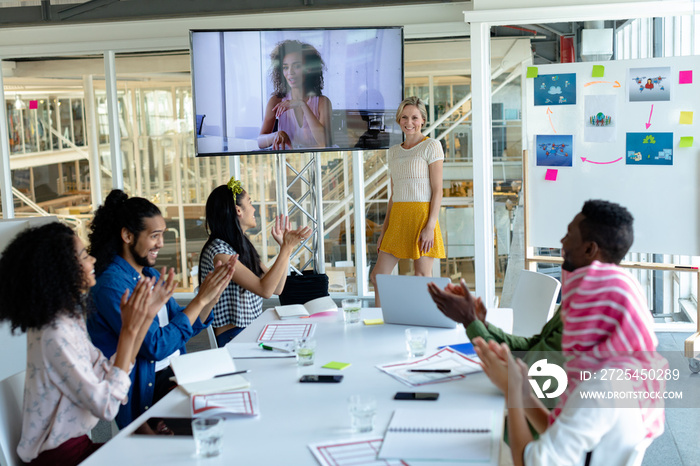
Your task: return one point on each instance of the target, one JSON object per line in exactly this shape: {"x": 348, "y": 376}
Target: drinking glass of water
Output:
{"x": 305, "y": 351}
{"x": 416, "y": 341}
{"x": 351, "y": 310}
{"x": 362, "y": 409}
{"x": 208, "y": 436}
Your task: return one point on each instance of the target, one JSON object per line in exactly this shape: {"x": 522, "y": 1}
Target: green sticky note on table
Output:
{"x": 373, "y": 321}
{"x": 339, "y": 366}
{"x": 686, "y": 118}
{"x": 686, "y": 141}
{"x": 531, "y": 72}
{"x": 598, "y": 71}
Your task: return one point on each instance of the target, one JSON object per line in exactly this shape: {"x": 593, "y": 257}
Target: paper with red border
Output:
{"x": 447, "y": 358}
{"x": 355, "y": 451}
{"x": 242, "y": 402}
{"x": 286, "y": 332}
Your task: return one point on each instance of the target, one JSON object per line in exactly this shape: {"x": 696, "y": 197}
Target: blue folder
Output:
{"x": 464, "y": 348}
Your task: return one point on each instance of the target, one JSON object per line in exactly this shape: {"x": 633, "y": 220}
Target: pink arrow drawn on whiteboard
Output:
{"x": 549, "y": 113}
{"x": 652, "y": 111}
{"x": 584, "y": 159}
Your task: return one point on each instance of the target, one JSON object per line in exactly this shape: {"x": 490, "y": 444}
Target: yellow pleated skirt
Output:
{"x": 406, "y": 221}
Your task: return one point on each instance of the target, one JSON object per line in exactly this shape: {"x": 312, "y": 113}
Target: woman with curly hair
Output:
{"x": 229, "y": 214}
{"x": 302, "y": 114}
{"x": 69, "y": 383}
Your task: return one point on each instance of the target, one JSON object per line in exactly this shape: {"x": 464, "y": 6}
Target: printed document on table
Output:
{"x": 351, "y": 451}
{"x": 459, "y": 365}
{"x": 242, "y": 402}
{"x": 286, "y": 332}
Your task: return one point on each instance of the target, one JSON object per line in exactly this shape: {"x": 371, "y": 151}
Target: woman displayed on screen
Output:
{"x": 297, "y": 115}
{"x": 411, "y": 229}
{"x": 229, "y": 214}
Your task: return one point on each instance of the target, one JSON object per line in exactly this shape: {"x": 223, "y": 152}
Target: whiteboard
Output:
{"x": 662, "y": 197}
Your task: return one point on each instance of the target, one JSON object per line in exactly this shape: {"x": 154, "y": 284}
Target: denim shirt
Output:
{"x": 105, "y": 322}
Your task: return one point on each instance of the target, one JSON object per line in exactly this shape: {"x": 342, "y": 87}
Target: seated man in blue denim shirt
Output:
{"x": 126, "y": 235}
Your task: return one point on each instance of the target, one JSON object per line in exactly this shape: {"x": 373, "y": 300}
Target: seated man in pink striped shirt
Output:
{"x": 602, "y": 232}
{"x": 606, "y": 330}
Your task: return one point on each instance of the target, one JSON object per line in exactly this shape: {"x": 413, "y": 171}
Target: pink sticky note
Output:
{"x": 33, "y": 104}
{"x": 551, "y": 174}
{"x": 685, "y": 77}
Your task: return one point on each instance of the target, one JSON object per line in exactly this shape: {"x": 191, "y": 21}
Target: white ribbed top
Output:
{"x": 409, "y": 170}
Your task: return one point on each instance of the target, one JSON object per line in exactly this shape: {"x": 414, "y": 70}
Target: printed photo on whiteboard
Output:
{"x": 600, "y": 113}
{"x": 649, "y": 84}
{"x": 649, "y": 149}
{"x": 555, "y": 89}
{"x": 554, "y": 150}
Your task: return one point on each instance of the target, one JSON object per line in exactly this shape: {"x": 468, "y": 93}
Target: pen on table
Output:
{"x": 232, "y": 373}
{"x": 273, "y": 348}
{"x": 437, "y": 371}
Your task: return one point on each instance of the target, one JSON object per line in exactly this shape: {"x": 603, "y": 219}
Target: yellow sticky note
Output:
{"x": 373, "y": 321}
{"x": 598, "y": 71}
{"x": 532, "y": 72}
{"x": 336, "y": 365}
{"x": 686, "y": 118}
{"x": 686, "y": 141}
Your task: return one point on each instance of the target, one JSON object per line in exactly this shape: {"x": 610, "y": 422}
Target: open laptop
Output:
{"x": 406, "y": 301}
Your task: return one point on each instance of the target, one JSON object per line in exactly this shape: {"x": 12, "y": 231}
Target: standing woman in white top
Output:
{"x": 411, "y": 229}
{"x": 69, "y": 384}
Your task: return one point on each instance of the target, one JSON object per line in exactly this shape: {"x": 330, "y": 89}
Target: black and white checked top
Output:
{"x": 237, "y": 305}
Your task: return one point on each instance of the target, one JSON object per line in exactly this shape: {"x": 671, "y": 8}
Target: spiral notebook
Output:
{"x": 440, "y": 434}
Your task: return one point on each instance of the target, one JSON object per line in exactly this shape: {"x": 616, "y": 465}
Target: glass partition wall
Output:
{"x": 50, "y": 157}
{"x": 50, "y": 139}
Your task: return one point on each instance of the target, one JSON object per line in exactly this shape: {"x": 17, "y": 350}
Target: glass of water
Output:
{"x": 208, "y": 436}
{"x": 362, "y": 409}
{"x": 416, "y": 341}
{"x": 305, "y": 351}
{"x": 351, "y": 310}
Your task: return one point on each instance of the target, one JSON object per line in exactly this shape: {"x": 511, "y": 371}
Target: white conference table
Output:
{"x": 294, "y": 414}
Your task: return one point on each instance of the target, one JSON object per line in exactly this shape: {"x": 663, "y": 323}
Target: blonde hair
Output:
{"x": 416, "y": 102}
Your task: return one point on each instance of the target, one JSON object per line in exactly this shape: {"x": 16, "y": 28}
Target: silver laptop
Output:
{"x": 406, "y": 301}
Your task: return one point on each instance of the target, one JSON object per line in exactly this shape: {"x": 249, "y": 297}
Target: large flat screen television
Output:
{"x": 296, "y": 90}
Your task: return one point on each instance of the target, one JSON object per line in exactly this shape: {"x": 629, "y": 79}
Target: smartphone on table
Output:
{"x": 425, "y": 396}
{"x": 321, "y": 378}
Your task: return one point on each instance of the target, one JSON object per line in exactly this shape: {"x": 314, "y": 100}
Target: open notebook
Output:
{"x": 206, "y": 372}
{"x": 440, "y": 434}
{"x": 316, "y": 307}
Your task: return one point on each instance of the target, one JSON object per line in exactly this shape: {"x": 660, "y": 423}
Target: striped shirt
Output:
{"x": 607, "y": 324}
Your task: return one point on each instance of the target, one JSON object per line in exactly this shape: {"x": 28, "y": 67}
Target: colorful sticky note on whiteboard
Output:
{"x": 686, "y": 118}
{"x": 551, "y": 174}
{"x": 33, "y": 104}
{"x": 686, "y": 141}
{"x": 532, "y": 72}
{"x": 598, "y": 71}
{"x": 685, "y": 77}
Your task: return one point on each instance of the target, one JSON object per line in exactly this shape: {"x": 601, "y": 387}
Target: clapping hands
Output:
{"x": 457, "y": 303}
{"x": 283, "y": 234}
{"x": 281, "y": 226}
